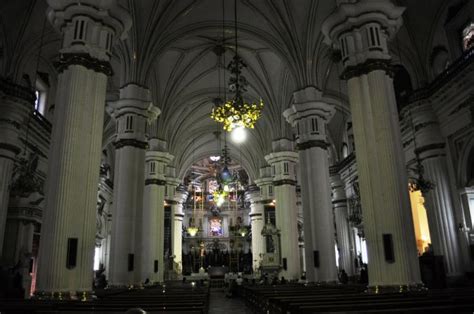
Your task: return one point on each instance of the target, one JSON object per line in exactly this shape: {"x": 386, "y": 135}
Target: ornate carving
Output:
{"x": 130, "y": 142}
{"x": 367, "y": 67}
{"x": 311, "y": 144}
{"x": 284, "y": 182}
{"x": 67, "y": 59}
{"x": 155, "y": 182}
{"x": 25, "y": 180}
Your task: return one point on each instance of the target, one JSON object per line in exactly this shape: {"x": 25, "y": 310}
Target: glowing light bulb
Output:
{"x": 226, "y": 188}
{"x": 238, "y": 134}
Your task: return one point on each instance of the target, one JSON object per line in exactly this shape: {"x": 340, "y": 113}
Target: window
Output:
{"x": 152, "y": 167}
{"x": 345, "y": 150}
{"x": 270, "y": 190}
{"x": 285, "y": 168}
{"x": 273, "y": 171}
{"x": 41, "y": 94}
{"x": 468, "y": 37}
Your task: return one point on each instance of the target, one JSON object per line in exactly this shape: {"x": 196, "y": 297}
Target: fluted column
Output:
{"x": 153, "y": 218}
{"x": 361, "y": 30}
{"x": 177, "y": 213}
{"x": 438, "y": 201}
{"x": 257, "y": 221}
{"x": 283, "y": 161}
{"x": 16, "y": 103}
{"x": 309, "y": 115}
{"x": 132, "y": 112}
{"x": 68, "y": 231}
{"x": 343, "y": 233}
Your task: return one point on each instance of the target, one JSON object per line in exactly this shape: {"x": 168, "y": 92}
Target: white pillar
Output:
{"x": 177, "y": 215}
{"x": 283, "y": 161}
{"x": 16, "y": 103}
{"x": 439, "y": 204}
{"x": 361, "y": 30}
{"x": 310, "y": 115}
{"x": 132, "y": 112}
{"x": 76, "y": 142}
{"x": 343, "y": 233}
{"x": 257, "y": 221}
{"x": 154, "y": 212}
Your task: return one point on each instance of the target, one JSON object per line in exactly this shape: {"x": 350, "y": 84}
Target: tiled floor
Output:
{"x": 220, "y": 304}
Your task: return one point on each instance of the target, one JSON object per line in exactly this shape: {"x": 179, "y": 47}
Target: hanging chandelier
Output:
{"x": 237, "y": 112}
{"x": 192, "y": 229}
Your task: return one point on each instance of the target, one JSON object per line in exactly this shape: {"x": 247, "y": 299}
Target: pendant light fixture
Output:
{"x": 237, "y": 113}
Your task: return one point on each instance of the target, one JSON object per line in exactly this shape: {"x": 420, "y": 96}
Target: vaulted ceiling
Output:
{"x": 171, "y": 50}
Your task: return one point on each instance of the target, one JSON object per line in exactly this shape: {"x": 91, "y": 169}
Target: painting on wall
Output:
{"x": 215, "y": 227}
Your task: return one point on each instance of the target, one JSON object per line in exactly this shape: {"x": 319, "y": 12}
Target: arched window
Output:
{"x": 345, "y": 150}
{"x": 468, "y": 37}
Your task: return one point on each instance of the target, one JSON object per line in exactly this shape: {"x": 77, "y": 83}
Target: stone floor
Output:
{"x": 220, "y": 304}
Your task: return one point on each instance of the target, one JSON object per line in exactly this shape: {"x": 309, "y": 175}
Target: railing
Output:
{"x": 457, "y": 66}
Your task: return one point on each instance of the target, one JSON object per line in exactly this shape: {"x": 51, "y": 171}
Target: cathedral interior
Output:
{"x": 321, "y": 147}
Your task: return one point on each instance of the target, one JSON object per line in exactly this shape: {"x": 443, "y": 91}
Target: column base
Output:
{"x": 64, "y": 295}
{"x": 396, "y": 288}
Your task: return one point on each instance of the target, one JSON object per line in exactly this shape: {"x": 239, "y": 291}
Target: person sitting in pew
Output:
{"x": 343, "y": 278}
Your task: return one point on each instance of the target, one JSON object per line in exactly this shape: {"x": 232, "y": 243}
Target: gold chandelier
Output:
{"x": 236, "y": 112}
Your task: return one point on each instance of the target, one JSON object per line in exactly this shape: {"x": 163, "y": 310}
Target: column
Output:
{"x": 309, "y": 115}
{"x": 343, "y": 233}
{"x": 19, "y": 232}
{"x": 283, "y": 161}
{"x": 16, "y": 103}
{"x": 153, "y": 234}
{"x": 257, "y": 221}
{"x": 361, "y": 30}
{"x": 132, "y": 112}
{"x": 177, "y": 215}
{"x": 68, "y": 231}
{"x": 438, "y": 201}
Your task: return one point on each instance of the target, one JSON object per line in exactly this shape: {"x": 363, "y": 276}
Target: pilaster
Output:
{"x": 439, "y": 204}
{"x": 16, "y": 103}
{"x": 89, "y": 30}
{"x": 132, "y": 112}
{"x": 257, "y": 221}
{"x": 283, "y": 161}
{"x": 361, "y": 31}
{"x": 309, "y": 115}
{"x": 343, "y": 233}
{"x": 177, "y": 212}
{"x": 153, "y": 218}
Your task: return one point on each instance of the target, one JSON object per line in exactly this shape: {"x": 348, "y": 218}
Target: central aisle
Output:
{"x": 220, "y": 304}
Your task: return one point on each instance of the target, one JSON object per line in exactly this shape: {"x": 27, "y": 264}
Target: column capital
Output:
{"x": 361, "y": 31}
{"x": 282, "y": 163}
{"x": 338, "y": 189}
{"x": 180, "y": 196}
{"x": 132, "y": 112}
{"x": 309, "y": 114}
{"x": 421, "y": 118}
{"x": 89, "y": 27}
{"x": 253, "y": 194}
{"x": 278, "y": 157}
{"x": 155, "y": 163}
